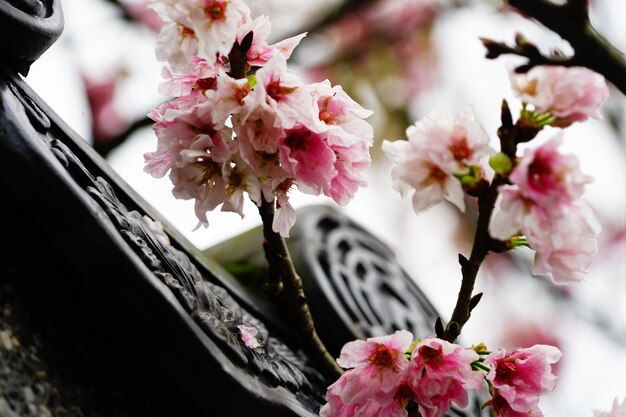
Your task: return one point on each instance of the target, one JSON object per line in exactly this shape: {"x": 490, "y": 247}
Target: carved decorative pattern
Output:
{"x": 211, "y": 306}
{"x": 364, "y": 282}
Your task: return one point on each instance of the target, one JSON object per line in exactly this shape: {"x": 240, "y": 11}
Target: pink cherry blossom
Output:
{"x": 567, "y": 252}
{"x": 285, "y": 216}
{"x": 260, "y": 135}
{"x": 544, "y": 204}
{"x": 440, "y": 373}
{"x": 198, "y": 76}
{"x": 379, "y": 364}
{"x": 414, "y": 173}
{"x": 618, "y": 410}
{"x": 502, "y": 408}
{"x": 248, "y": 336}
{"x": 522, "y": 376}
{"x": 306, "y": 156}
{"x": 572, "y": 94}
{"x": 548, "y": 177}
{"x": 282, "y": 94}
{"x": 377, "y": 405}
{"x": 260, "y": 51}
{"x": 437, "y": 148}
{"x": 141, "y": 11}
{"x": 216, "y": 24}
{"x": 106, "y": 119}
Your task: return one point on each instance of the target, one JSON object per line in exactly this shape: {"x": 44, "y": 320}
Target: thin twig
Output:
{"x": 285, "y": 284}
{"x": 290, "y": 299}
{"x": 571, "y": 22}
{"x": 104, "y": 147}
{"x": 509, "y": 135}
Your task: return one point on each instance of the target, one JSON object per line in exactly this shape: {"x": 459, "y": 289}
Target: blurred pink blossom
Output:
{"x": 544, "y": 204}
{"x": 572, "y": 94}
{"x": 379, "y": 364}
{"x": 106, "y": 121}
{"x": 248, "y": 336}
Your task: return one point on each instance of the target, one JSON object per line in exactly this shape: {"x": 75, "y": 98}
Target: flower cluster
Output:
{"x": 569, "y": 94}
{"x": 390, "y": 373}
{"x": 241, "y": 122}
{"x": 544, "y": 204}
{"x": 540, "y": 202}
{"x": 439, "y": 154}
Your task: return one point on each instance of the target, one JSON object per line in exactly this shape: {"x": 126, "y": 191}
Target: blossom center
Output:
{"x": 460, "y": 150}
{"x": 430, "y": 355}
{"x": 383, "y": 357}
{"x": 277, "y": 91}
{"x": 539, "y": 174}
{"x": 235, "y": 181}
{"x": 435, "y": 175}
{"x": 186, "y": 32}
{"x": 506, "y": 370}
{"x": 404, "y": 394}
{"x": 241, "y": 93}
{"x": 205, "y": 84}
{"x": 210, "y": 169}
{"x": 297, "y": 140}
{"x": 531, "y": 88}
{"x": 216, "y": 10}
{"x": 325, "y": 115}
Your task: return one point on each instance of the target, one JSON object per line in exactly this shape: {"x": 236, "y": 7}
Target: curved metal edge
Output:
{"x": 35, "y": 175}
{"x": 24, "y": 37}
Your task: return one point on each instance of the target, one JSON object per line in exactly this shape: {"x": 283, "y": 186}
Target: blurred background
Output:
{"x": 399, "y": 58}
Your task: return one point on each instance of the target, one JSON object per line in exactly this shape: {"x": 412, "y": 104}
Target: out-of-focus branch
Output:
{"x": 104, "y": 147}
{"x": 123, "y": 11}
{"x": 571, "y": 22}
{"x": 335, "y": 14}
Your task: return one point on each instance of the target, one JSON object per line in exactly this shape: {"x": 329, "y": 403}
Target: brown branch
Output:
{"x": 284, "y": 283}
{"x": 289, "y": 295}
{"x": 509, "y": 135}
{"x": 571, "y": 22}
{"x": 483, "y": 244}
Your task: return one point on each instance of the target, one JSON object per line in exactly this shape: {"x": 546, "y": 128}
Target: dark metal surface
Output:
{"x": 185, "y": 314}
{"x": 27, "y": 29}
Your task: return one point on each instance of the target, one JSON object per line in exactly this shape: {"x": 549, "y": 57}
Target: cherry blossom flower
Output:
{"x": 502, "y": 408}
{"x": 248, "y": 336}
{"x": 261, "y": 134}
{"x": 381, "y": 404}
{"x": 282, "y": 94}
{"x": 618, "y": 410}
{"x": 260, "y": 51}
{"x": 441, "y": 372}
{"x": 106, "y": 120}
{"x": 548, "y": 177}
{"x": 571, "y": 94}
{"x": 376, "y": 385}
{"x": 379, "y": 364}
{"x": 544, "y": 204}
{"x": 437, "y": 148}
{"x": 519, "y": 378}
{"x": 141, "y": 11}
